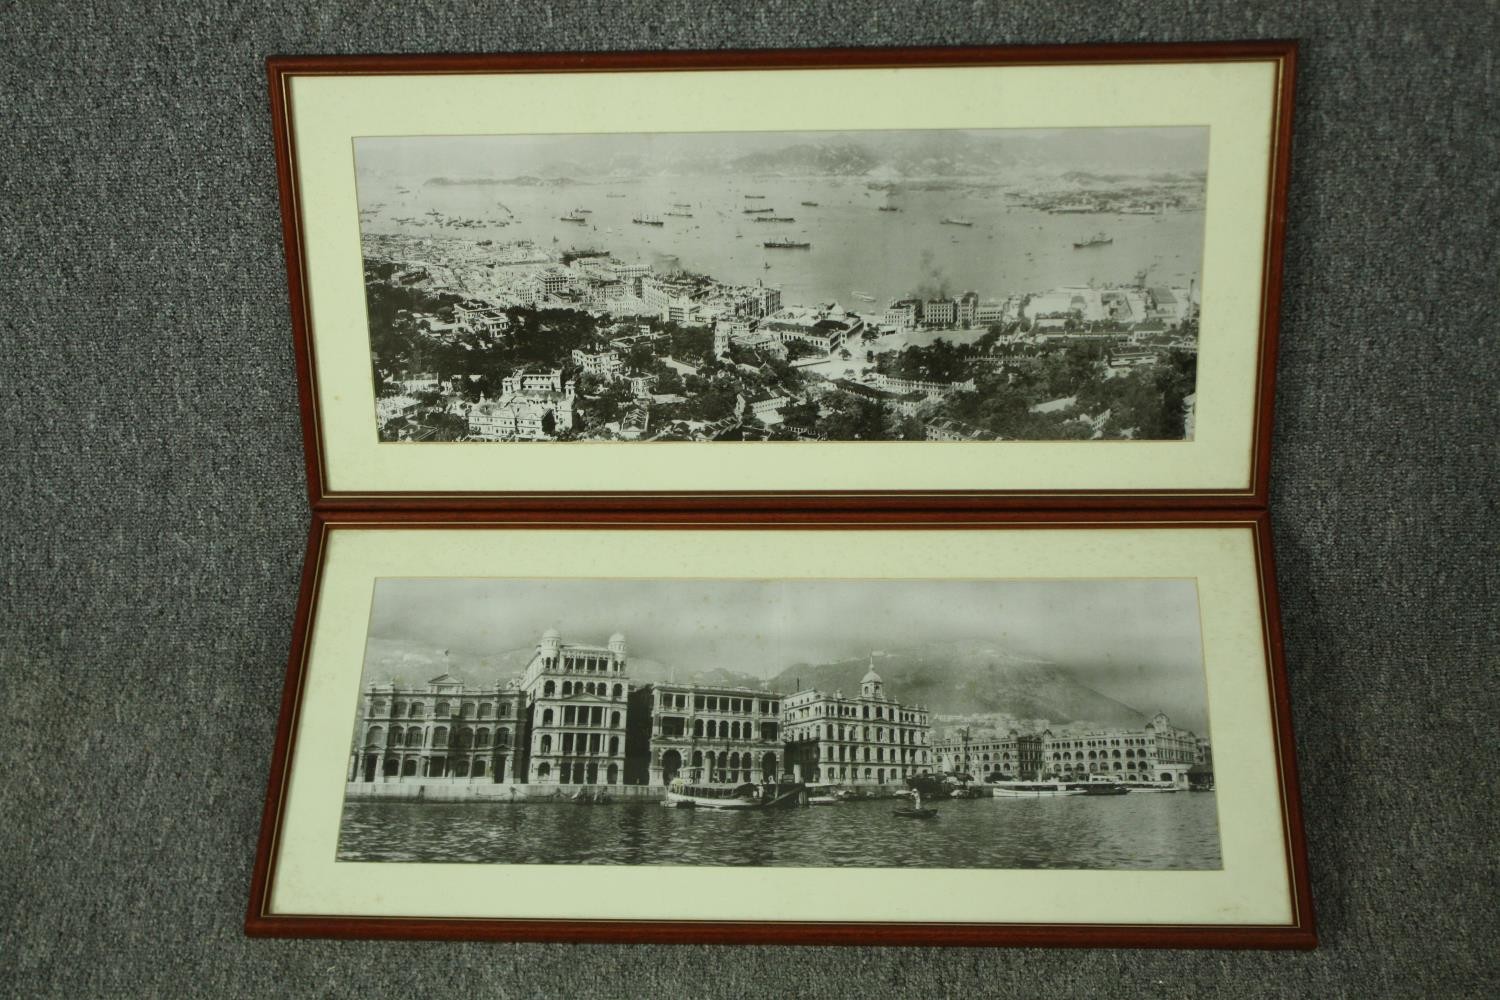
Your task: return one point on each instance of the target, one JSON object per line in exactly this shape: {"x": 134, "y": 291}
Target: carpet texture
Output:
{"x": 154, "y": 512}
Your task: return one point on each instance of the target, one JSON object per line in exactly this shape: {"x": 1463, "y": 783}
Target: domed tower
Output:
{"x": 617, "y": 646}
{"x": 870, "y": 685}
{"x": 550, "y": 646}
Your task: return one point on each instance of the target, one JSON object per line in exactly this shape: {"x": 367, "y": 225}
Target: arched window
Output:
{"x": 504, "y": 710}
{"x": 375, "y": 736}
{"x": 543, "y": 771}
{"x": 442, "y": 709}
{"x": 398, "y": 709}
{"x": 465, "y": 737}
{"x": 734, "y": 762}
{"x": 467, "y": 712}
{"x": 546, "y": 746}
{"x": 548, "y": 689}
{"x": 697, "y": 758}
{"x": 698, "y": 728}
{"x": 414, "y": 737}
{"x": 619, "y": 692}
{"x": 482, "y": 737}
{"x": 415, "y": 712}
{"x": 502, "y": 737}
{"x": 567, "y": 688}
{"x": 395, "y": 737}
{"x": 612, "y": 775}
{"x": 485, "y": 708}
{"x": 614, "y": 746}
{"x": 614, "y": 720}
{"x": 440, "y": 736}
{"x": 546, "y": 716}
{"x": 1117, "y": 756}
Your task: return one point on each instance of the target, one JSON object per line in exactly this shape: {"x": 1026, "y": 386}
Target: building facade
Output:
{"x": 576, "y": 700}
{"x": 1157, "y": 752}
{"x": 870, "y": 740}
{"x": 440, "y": 730}
{"x": 729, "y": 734}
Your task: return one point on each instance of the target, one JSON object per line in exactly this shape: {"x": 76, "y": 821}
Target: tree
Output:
{"x": 854, "y": 418}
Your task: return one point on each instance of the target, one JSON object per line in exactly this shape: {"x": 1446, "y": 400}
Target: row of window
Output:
{"x": 591, "y": 744}
{"x": 825, "y": 710}
{"x": 442, "y": 710}
{"x": 414, "y": 737}
{"x": 832, "y": 752}
{"x": 551, "y": 689}
{"x": 581, "y": 715}
{"x": 867, "y": 734}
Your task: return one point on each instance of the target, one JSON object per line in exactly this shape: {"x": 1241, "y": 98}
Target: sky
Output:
{"x": 496, "y": 156}
{"x": 1135, "y": 640}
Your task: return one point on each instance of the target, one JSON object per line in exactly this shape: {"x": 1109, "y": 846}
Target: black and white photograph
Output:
{"x": 979, "y": 724}
{"x": 920, "y": 285}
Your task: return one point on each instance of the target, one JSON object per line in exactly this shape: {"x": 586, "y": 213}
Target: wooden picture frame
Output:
{"x": 1172, "y": 495}
{"x": 1264, "y": 678}
{"x": 321, "y": 104}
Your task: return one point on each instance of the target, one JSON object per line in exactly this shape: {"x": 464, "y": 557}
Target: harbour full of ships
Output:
{"x": 574, "y": 725}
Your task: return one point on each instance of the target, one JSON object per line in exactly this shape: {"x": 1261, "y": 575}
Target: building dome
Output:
{"x": 551, "y": 634}
{"x": 617, "y": 637}
{"x": 870, "y": 675}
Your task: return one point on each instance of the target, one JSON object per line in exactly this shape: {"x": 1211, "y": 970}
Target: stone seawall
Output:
{"x": 440, "y": 790}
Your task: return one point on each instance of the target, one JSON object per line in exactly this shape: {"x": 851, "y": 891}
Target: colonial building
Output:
{"x": 825, "y": 327}
{"x": 870, "y": 740}
{"x": 576, "y": 700}
{"x": 440, "y": 730}
{"x": 730, "y": 734}
{"x": 1157, "y": 752}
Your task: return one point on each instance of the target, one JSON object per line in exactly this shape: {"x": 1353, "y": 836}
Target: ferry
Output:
{"x": 950, "y": 221}
{"x": 647, "y": 220}
{"x": 1032, "y": 789}
{"x": 1097, "y": 240}
{"x": 786, "y": 245}
{"x": 690, "y": 791}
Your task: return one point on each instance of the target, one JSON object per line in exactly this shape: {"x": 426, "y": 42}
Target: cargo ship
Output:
{"x": 786, "y": 245}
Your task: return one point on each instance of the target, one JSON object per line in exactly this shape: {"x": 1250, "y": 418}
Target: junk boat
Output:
{"x": 1032, "y": 789}
{"x": 1097, "y": 240}
{"x": 690, "y": 790}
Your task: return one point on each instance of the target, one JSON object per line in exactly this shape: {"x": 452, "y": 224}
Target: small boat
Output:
{"x": 776, "y": 218}
{"x": 583, "y": 211}
{"x": 584, "y": 797}
{"x": 888, "y": 208}
{"x": 1105, "y": 787}
{"x": 1097, "y": 240}
{"x": 916, "y": 810}
{"x": 574, "y": 217}
{"x": 755, "y": 196}
{"x": 810, "y": 204}
{"x": 647, "y": 220}
{"x": 757, "y": 211}
{"x": 786, "y": 245}
{"x": 679, "y": 215}
{"x": 951, "y": 221}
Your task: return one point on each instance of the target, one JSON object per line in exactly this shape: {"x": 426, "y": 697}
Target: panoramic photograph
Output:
{"x": 932, "y": 285}
{"x": 995, "y": 724}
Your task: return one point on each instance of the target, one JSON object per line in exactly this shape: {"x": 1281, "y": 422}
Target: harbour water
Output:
{"x": 1138, "y": 831}
{"x": 855, "y": 248}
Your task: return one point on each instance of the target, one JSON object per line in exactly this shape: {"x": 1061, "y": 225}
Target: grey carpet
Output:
{"x": 154, "y": 516}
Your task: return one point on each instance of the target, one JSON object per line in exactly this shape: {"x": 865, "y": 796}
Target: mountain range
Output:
{"x": 960, "y": 677}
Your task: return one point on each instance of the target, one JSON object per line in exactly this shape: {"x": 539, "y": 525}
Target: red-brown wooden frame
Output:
{"x": 282, "y": 69}
{"x": 1299, "y": 934}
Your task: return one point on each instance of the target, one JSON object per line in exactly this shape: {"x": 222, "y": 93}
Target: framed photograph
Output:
{"x": 1064, "y": 729}
{"x": 870, "y": 278}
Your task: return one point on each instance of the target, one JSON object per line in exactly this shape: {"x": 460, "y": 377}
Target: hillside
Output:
{"x": 969, "y": 677}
